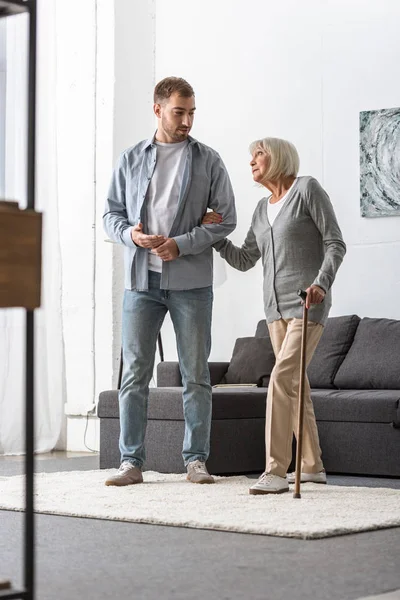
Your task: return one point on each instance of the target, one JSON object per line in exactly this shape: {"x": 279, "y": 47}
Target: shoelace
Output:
{"x": 125, "y": 467}
{"x": 265, "y": 478}
{"x": 199, "y": 467}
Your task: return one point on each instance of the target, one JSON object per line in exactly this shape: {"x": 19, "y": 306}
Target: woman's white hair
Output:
{"x": 285, "y": 161}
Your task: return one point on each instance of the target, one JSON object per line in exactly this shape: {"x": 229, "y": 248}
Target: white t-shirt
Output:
{"x": 274, "y": 209}
{"x": 163, "y": 193}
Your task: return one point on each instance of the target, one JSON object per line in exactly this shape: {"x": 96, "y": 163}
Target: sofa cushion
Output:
{"x": 333, "y": 346}
{"x": 331, "y": 351}
{"x": 359, "y": 406}
{"x": 262, "y": 329}
{"x": 252, "y": 361}
{"x": 169, "y": 374}
{"x": 373, "y": 361}
{"x": 165, "y": 404}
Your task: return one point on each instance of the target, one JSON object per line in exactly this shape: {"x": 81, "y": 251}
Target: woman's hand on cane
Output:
{"x": 315, "y": 295}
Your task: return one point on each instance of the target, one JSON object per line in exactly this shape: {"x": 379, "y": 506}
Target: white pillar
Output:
{"x": 122, "y": 59}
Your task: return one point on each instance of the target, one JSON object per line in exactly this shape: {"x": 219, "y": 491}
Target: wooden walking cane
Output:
{"x": 296, "y": 494}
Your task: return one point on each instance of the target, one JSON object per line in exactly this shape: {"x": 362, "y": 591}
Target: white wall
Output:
{"x": 75, "y": 102}
{"x": 301, "y": 71}
{"x": 361, "y": 51}
{"x": 76, "y": 191}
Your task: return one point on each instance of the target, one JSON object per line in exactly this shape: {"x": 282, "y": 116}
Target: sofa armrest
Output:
{"x": 169, "y": 375}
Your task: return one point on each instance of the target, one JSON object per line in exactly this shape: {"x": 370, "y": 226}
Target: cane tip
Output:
{"x": 296, "y": 495}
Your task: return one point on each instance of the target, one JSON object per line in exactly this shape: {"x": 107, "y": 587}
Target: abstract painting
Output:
{"x": 380, "y": 162}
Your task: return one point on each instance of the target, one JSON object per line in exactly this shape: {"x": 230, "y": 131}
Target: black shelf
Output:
{"x": 11, "y": 8}
{"x": 9, "y": 594}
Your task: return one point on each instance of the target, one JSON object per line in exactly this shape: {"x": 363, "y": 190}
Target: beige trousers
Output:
{"x": 282, "y": 399}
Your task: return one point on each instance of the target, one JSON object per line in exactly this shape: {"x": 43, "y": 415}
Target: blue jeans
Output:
{"x": 142, "y": 316}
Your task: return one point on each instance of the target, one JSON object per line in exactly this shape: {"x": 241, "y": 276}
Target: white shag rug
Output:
{"x": 165, "y": 499}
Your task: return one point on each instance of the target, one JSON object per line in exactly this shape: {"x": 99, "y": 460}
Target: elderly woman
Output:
{"x": 295, "y": 232}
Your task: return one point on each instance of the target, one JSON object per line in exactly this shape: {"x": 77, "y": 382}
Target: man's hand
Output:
{"x": 146, "y": 241}
{"x": 168, "y": 250}
{"x": 315, "y": 295}
{"x": 211, "y": 217}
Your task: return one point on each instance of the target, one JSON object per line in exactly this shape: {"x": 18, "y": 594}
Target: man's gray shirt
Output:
{"x": 303, "y": 247}
{"x": 205, "y": 185}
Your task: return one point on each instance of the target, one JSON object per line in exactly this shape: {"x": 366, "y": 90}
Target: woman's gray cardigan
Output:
{"x": 303, "y": 247}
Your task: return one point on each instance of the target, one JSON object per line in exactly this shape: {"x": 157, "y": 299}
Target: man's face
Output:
{"x": 175, "y": 118}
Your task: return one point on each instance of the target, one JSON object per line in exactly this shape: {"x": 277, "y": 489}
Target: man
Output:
{"x": 160, "y": 190}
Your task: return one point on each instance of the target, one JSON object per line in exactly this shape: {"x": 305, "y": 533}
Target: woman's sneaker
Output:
{"x": 270, "y": 484}
{"x": 308, "y": 477}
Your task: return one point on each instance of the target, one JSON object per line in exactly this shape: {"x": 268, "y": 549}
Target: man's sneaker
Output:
{"x": 127, "y": 474}
{"x": 308, "y": 477}
{"x": 197, "y": 472}
{"x": 270, "y": 484}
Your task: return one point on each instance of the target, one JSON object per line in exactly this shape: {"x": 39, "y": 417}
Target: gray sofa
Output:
{"x": 355, "y": 386}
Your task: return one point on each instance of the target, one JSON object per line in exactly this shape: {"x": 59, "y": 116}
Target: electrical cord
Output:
{"x": 89, "y": 412}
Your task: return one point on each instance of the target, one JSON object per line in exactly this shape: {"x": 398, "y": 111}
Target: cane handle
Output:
{"x": 302, "y": 294}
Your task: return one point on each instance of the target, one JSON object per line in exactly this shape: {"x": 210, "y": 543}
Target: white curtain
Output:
{"x": 49, "y": 368}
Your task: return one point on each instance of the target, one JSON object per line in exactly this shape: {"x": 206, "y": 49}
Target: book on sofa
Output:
{"x": 229, "y": 385}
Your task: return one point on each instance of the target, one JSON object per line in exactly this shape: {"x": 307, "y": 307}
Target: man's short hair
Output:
{"x": 285, "y": 160}
{"x": 170, "y": 85}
